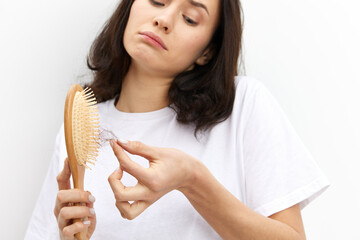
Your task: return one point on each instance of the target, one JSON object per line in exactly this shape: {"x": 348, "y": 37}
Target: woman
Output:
{"x": 165, "y": 74}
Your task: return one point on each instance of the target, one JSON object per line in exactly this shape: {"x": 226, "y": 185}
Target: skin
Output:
{"x": 145, "y": 89}
{"x": 152, "y": 69}
{"x": 65, "y": 211}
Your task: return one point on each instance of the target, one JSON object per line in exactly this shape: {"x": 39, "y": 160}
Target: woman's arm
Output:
{"x": 231, "y": 219}
{"x": 171, "y": 169}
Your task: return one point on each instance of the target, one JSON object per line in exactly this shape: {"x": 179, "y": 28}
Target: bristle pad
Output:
{"x": 85, "y": 122}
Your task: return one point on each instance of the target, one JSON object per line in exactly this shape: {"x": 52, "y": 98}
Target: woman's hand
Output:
{"x": 65, "y": 211}
{"x": 169, "y": 169}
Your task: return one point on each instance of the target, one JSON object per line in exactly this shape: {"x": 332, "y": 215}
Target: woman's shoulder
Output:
{"x": 249, "y": 91}
{"x": 247, "y": 88}
{"x": 247, "y": 83}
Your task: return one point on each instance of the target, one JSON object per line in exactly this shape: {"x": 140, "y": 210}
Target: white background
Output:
{"x": 306, "y": 52}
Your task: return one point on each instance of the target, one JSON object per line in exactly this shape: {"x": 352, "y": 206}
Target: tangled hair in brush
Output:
{"x": 203, "y": 96}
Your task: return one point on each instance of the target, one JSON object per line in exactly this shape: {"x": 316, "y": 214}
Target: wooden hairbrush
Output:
{"x": 82, "y": 135}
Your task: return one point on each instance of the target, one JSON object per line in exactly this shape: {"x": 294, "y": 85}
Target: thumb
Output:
{"x": 63, "y": 178}
{"x": 133, "y": 168}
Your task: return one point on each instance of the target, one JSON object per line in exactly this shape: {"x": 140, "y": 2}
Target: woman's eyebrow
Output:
{"x": 197, "y": 4}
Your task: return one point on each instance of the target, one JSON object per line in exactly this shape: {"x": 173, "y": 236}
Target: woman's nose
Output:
{"x": 161, "y": 24}
{"x": 164, "y": 22}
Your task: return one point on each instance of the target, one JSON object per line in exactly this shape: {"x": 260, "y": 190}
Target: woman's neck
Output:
{"x": 141, "y": 92}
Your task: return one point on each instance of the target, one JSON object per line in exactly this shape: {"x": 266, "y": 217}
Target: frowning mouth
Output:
{"x": 153, "y": 39}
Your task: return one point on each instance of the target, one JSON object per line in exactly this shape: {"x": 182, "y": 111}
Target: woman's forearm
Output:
{"x": 227, "y": 215}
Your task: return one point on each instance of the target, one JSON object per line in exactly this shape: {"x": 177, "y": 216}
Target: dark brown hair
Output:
{"x": 203, "y": 96}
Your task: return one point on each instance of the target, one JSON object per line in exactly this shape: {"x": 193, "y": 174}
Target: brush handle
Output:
{"x": 77, "y": 171}
{"x": 79, "y": 184}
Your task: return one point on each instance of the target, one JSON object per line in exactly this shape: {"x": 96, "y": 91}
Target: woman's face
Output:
{"x": 185, "y": 27}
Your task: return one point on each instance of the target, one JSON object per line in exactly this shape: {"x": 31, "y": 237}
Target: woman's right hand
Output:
{"x": 65, "y": 210}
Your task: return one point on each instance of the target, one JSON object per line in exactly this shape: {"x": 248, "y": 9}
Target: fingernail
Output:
{"x": 123, "y": 141}
{"x": 86, "y": 222}
{"x": 91, "y": 198}
{"x": 92, "y": 211}
{"x": 111, "y": 143}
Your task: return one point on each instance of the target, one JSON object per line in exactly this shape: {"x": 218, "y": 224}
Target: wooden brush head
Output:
{"x": 82, "y": 134}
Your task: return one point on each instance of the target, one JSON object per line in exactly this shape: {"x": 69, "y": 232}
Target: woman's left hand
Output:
{"x": 169, "y": 169}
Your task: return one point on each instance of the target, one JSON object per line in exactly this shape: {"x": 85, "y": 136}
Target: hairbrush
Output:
{"x": 82, "y": 135}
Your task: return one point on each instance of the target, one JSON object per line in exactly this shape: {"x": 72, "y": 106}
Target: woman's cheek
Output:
{"x": 195, "y": 47}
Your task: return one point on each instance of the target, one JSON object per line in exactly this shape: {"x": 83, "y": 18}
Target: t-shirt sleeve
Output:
{"x": 43, "y": 224}
{"x": 279, "y": 170}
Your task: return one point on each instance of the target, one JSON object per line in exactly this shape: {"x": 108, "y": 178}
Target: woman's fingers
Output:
{"x": 92, "y": 216}
{"x": 145, "y": 192}
{"x": 68, "y": 213}
{"x": 74, "y": 196}
{"x": 63, "y": 178}
{"x": 123, "y": 193}
{"x": 139, "y": 148}
{"x": 69, "y": 231}
{"x": 91, "y": 203}
{"x": 64, "y": 197}
{"x": 131, "y": 211}
{"x": 140, "y": 173}
{"x": 65, "y": 211}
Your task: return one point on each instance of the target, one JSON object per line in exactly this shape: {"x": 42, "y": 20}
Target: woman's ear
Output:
{"x": 206, "y": 56}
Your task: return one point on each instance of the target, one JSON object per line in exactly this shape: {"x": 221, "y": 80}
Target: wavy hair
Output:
{"x": 203, "y": 96}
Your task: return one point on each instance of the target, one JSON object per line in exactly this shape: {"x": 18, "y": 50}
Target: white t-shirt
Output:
{"x": 256, "y": 154}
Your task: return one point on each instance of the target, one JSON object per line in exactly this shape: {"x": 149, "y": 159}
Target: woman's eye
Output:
{"x": 157, "y": 3}
{"x": 189, "y": 20}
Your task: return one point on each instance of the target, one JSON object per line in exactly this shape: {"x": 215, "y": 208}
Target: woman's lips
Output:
{"x": 153, "y": 39}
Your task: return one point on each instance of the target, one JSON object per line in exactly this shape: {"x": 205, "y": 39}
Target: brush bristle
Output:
{"x": 86, "y": 123}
